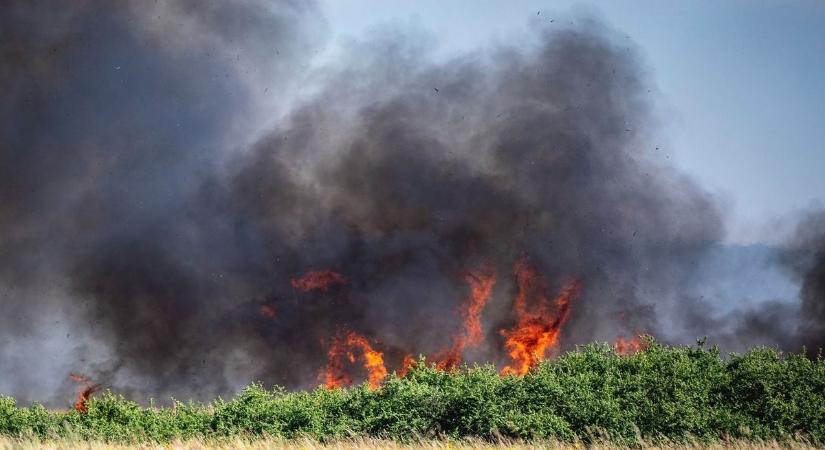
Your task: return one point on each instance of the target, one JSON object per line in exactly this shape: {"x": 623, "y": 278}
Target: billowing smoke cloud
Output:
{"x": 142, "y": 214}
{"x": 806, "y": 258}
{"x": 113, "y": 116}
{"x": 404, "y": 173}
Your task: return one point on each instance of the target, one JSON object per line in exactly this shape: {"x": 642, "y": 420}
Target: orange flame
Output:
{"x": 481, "y": 287}
{"x": 626, "y": 347}
{"x": 318, "y": 280}
{"x": 268, "y": 311}
{"x": 408, "y": 363}
{"x": 538, "y": 325}
{"x": 84, "y": 393}
{"x": 335, "y": 376}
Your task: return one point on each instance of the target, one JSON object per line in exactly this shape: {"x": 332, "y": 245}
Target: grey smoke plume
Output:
{"x": 113, "y": 116}
{"x": 790, "y": 323}
{"x": 141, "y": 214}
{"x": 805, "y": 257}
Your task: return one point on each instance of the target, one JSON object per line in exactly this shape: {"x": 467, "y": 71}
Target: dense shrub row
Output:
{"x": 662, "y": 392}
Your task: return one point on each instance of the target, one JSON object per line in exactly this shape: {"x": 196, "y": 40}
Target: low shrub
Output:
{"x": 668, "y": 393}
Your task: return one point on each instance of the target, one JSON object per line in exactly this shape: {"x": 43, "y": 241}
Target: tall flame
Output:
{"x": 481, "y": 287}
{"x": 335, "y": 375}
{"x": 408, "y": 363}
{"x": 538, "y": 320}
{"x": 84, "y": 393}
{"x": 318, "y": 280}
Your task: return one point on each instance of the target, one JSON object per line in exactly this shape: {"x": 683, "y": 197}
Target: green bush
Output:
{"x": 678, "y": 394}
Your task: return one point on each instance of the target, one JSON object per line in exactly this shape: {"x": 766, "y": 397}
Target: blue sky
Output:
{"x": 741, "y": 85}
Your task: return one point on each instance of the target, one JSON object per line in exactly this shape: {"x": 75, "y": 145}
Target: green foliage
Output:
{"x": 677, "y": 394}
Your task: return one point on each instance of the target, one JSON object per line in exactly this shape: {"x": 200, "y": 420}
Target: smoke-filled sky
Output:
{"x": 196, "y": 196}
{"x": 741, "y": 83}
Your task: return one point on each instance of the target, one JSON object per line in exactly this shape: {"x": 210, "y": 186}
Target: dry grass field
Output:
{"x": 374, "y": 444}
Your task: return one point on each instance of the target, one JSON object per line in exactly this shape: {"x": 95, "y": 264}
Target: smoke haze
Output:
{"x": 151, "y": 233}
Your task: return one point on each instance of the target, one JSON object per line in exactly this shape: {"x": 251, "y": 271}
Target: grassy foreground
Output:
{"x": 375, "y": 444}
{"x": 662, "y": 395}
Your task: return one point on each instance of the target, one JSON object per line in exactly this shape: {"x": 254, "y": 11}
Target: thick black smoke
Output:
{"x": 136, "y": 213}
{"x": 402, "y": 174}
{"x": 113, "y": 117}
{"x": 805, "y": 257}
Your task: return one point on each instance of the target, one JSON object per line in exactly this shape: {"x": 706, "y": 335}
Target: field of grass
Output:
{"x": 376, "y": 444}
{"x": 671, "y": 397}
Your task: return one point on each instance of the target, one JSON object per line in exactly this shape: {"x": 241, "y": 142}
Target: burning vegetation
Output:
{"x": 481, "y": 287}
{"x": 628, "y": 346}
{"x": 539, "y": 322}
{"x": 407, "y": 363}
{"x": 350, "y": 347}
{"x": 201, "y": 244}
{"x": 86, "y": 387}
